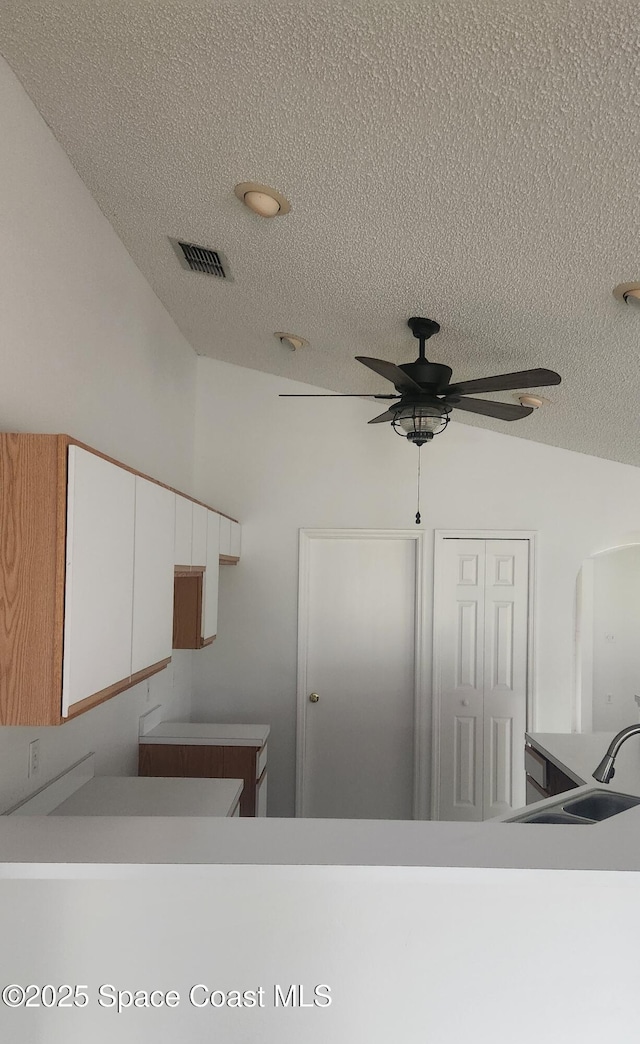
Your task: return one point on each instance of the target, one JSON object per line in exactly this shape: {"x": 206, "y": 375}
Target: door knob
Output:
{"x": 465, "y": 703}
{"x": 314, "y": 697}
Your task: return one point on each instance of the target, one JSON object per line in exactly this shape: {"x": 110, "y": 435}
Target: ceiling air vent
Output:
{"x": 201, "y": 259}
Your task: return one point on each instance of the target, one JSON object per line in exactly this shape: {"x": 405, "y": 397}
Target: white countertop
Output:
{"x": 198, "y": 733}
{"x": 152, "y": 796}
{"x": 44, "y": 847}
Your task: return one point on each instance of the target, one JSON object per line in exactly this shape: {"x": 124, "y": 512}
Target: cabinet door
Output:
{"x": 236, "y": 531}
{"x": 199, "y": 536}
{"x": 184, "y": 526}
{"x": 225, "y": 535}
{"x": 210, "y": 627}
{"x": 99, "y": 576}
{"x": 152, "y": 575}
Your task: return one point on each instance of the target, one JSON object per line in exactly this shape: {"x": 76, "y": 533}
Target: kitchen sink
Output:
{"x": 591, "y": 807}
{"x": 554, "y": 817}
{"x": 600, "y": 805}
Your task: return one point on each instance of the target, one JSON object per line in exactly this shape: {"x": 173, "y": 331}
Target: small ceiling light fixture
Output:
{"x": 261, "y": 199}
{"x": 534, "y": 401}
{"x": 419, "y": 423}
{"x": 292, "y": 341}
{"x": 628, "y": 293}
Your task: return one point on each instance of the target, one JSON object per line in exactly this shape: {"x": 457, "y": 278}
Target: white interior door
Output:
{"x": 357, "y": 654}
{"x": 481, "y": 647}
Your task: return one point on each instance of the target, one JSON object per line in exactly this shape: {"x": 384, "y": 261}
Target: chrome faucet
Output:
{"x": 605, "y": 770}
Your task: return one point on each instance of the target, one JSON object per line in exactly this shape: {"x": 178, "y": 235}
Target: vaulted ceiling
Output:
{"x": 475, "y": 161}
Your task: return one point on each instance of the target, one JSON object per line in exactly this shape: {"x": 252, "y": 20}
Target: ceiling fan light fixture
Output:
{"x": 261, "y": 199}
{"x": 418, "y": 424}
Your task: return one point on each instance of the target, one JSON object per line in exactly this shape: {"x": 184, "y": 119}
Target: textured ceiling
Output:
{"x": 475, "y": 161}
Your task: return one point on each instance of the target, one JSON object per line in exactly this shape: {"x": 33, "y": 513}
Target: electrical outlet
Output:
{"x": 34, "y": 758}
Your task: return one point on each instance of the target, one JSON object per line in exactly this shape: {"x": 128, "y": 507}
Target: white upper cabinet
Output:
{"x": 99, "y": 576}
{"x": 153, "y": 574}
{"x": 184, "y": 526}
{"x": 210, "y": 624}
{"x": 199, "y": 536}
{"x": 236, "y": 530}
{"x": 225, "y": 535}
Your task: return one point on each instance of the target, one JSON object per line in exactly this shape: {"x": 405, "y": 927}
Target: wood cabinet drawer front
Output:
{"x": 177, "y": 759}
{"x": 536, "y": 766}
{"x": 261, "y": 761}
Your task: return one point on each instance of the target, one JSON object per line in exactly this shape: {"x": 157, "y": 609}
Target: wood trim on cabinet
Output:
{"x": 114, "y": 690}
{"x": 33, "y": 480}
{"x": 208, "y": 641}
{"x": 229, "y": 559}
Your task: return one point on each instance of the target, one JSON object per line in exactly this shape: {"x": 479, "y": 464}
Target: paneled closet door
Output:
{"x": 481, "y": 639}
{"x": 461, "y": 652}
{"x": 505, "y": 674}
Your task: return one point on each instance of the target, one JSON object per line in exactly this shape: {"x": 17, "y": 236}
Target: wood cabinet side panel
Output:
{"x": 32, "y": 568}
{"x": 240, "y": 763}
{"x": 558, "y": 781}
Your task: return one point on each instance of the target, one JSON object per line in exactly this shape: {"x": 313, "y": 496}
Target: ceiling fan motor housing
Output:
{"x": 433, "y": 376}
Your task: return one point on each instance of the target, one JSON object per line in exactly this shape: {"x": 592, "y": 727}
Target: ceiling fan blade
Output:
{"x": 392, "y": 373}
{"x": 382, "y": 417}
{"x": 331, "y": 395}
{"x": 506, "y": 411}
{"x": 507, "y": 382}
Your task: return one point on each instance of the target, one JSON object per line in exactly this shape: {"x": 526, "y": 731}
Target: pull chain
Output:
{"x": 418, "y": 511}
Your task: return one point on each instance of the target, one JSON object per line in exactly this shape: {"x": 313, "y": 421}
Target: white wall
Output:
{"x": 87, "y": 349}
{"x": 280, "y": 464}
{"x": 616, "y": 638}
{"x": 411, "y": 954}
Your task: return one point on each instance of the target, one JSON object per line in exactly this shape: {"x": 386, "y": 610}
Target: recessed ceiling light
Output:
{"x": 261, "y": 199}
{"x": 534, "y": 401}
{"x": 628, "y": 293}
{"x": 292, "y": 341}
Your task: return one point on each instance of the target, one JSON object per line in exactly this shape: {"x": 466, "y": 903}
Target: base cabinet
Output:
{"x": 248, "y": 763}
{"x": 543, "y": 778}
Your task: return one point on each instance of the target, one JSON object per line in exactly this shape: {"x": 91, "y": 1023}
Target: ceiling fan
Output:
{"x": 425, "y": 398}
